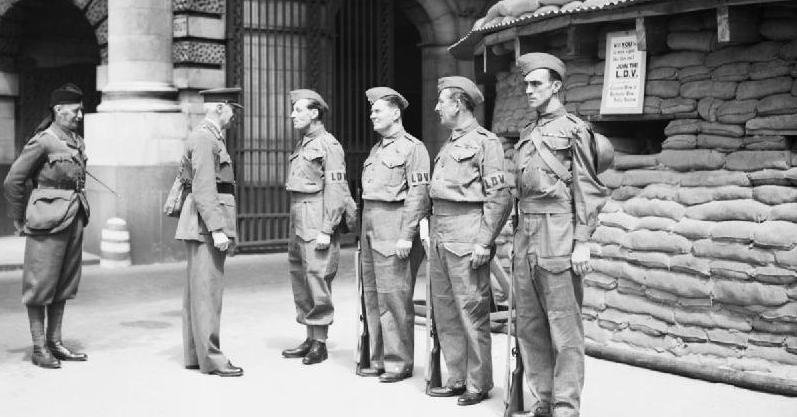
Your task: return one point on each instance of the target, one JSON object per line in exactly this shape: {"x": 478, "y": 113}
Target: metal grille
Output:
{"x": 336, "y": 47}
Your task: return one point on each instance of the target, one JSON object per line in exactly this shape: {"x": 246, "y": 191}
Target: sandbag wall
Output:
{"x": 695, "y": 257}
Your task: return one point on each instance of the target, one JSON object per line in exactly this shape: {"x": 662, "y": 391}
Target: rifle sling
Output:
{"x": 553, "y": 163}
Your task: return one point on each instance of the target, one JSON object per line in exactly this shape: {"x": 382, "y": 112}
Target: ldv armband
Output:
{"x": 336, "y": 177}
{"x": 495, "y": 181}
{"x": 418, "y": 178}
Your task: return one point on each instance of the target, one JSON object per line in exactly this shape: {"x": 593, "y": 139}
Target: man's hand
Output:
{"x": 580, "y": 258}
{"x": 403, "y": 248}
{"x": 220, "y": 241}
{"x": 19, "y": 226}
{"x": 480, "y": 256}
{"x": 322, "y": 241}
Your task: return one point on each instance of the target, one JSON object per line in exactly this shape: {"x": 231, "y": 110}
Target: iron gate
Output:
{"x": 336, "y": 47}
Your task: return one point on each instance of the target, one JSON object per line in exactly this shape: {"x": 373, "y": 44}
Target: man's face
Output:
{"x": 540, "y": 88}
{"x": 69, "y": 116}
{"x": 383, "y": 115}
{"x": 226, "y": 115}
{"x": 301, "y": 115}
{"x": 447, "y": 108}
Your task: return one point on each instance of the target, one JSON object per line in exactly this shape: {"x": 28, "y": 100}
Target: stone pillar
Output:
{"x": 135, "y": 140}
{"x": 436, "y": 62}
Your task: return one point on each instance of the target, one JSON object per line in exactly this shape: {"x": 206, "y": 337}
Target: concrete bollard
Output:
{"x": 115, "y": 244}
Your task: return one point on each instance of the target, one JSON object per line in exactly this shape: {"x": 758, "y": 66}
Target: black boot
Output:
{"x": 55, "y": 315}
{"x": 299, "y": 351}
{"x": 41, "y": 355}
{"x": 317, "y": 353}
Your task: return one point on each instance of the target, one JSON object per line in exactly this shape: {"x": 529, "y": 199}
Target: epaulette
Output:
{"x": 411, "y": 138}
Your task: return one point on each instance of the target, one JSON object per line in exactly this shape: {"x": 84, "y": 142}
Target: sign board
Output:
{"x": 624, "y": 75}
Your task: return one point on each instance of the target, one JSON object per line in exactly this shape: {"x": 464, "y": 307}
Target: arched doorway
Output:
{"x": 44, "y": 45}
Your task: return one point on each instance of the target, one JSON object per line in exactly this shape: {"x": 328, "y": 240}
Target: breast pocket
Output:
{"x": 394, "y": 170}
{"x": 63, "y": 167}
{"x": 538, "y": 179}
{"x": 467, "y": 164}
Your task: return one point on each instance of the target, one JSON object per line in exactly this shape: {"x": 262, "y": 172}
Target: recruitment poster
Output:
{"x": 624, "y": 76}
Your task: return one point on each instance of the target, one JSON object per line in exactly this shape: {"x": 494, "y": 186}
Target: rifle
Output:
{"x": 513, "y": 388}
{"x": 362, "y": 356}
{"x": 433, "y": 376}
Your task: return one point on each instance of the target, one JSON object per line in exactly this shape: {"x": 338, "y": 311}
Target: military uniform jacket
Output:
{"x": 55, "y": 160}
{"x": 206, "y": 163}
{"x": 538, "y": 188}
{"x": 318, "y": 166}
{"x": 470, "y": 168}
{"x": 397, "y": 170}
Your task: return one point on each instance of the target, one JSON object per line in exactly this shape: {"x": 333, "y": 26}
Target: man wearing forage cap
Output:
{"x": 207, "y": 224}
{"x": 395, "y": 184}
{"x": 52, "y": 219}
{"x": 558, "y": 202}
{"x": 470, "y": 204}
{"x": 319, "y": 191}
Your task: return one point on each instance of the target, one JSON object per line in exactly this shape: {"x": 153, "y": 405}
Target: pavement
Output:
{"x": 12, "y": 253}
{"x": 128, "y": 321}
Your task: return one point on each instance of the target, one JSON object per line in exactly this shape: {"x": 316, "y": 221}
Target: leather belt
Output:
{"x": 62, "y": 186}
{"x": 448, "y": 207}
{"x": 221, "y": 188}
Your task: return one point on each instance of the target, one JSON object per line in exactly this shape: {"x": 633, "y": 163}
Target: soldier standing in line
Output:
{"x": 559, "y": 197}
{"x": 208, "y": 226}
{"x": 395, "y": 183}
{"x": 319, "y": 192}
{"x": 470, "y": 204}
{"x": 53, "y": 219}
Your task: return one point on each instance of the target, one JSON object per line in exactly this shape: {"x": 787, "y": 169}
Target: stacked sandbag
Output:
{"x": 508, "y": 11}
{"x": 511, "y": 112}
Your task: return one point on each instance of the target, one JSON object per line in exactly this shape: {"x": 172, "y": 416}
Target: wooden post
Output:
{"x": 651, "y": 33}
{"x": 737, "y": 24}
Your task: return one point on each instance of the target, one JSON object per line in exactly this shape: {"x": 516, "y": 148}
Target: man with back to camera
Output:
{"x": 318, "y": 190}
{"x": 559, "y": 197}
{"x": 208, "y": 226}
{"x": 470, "y": 204}
{"x": 395, "y": 183}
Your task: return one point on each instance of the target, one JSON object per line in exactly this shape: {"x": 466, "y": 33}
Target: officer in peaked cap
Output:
{"x": 395, "y": 183}
{"x": 52, "y": 218}
{"x": 559, "y": 197}
{"x": 470, "y": 204}
{"x": 207, "y": 224}
{"x": 319, "y": 193}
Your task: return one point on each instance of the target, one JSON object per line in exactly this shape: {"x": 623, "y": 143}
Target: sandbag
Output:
{"x": 786, "y": 312}
{"x": 576, "y": 80}
{"x": 778, "y": 327}
{"x": 778, "y": 355}
{"x": 595, "y": 299}
{"x": 766, "y": 143}
{"x": 721, "y": 129}
{"x": 610, "y": 267}
{"x": 725, "y": 90}
{"x": 757, "y": 160}
{"x": 650, "y": 259}
{"x": 776, "y": 234}
{"x": 677, "y": 105}
{"x": 706, "y": 354}
{"x": 696, "y": 73}
{"x": 625, "y": 286}
{"x": 650, "y": 240}
{"x": 584, "y": 93}
{"x": 682, "y": 127}
{"x": 641, "y": 207}
{"x": 660, "y": 192}
{"x": 680, "y": 142}
{"x": 690, "y": 264}
{"x": 733, "y": 270}
{"x": 580, "y": 66}
{"x": 789, "y": 51}
{"x": 626, "y": 162}
{"x": 612, "y": 319}
{"x": 663, "y": 73}
{"x": 722, "y": 143}
{"x": 732, "y": 251}
{"x": 787, "y": 212}
{"x": 768, "y": 177}
{"x": 689, "y": 334}
{"x": 515, "y": 8}
{"x": 762, "y": 88}
{"x": 727, "y": 338}
{"x": 651, "y": 105}
{"x": 771, "y": 69}
{"x": 645, "y": 177}
{"x": 747, "y": 293}
{"x": 610, "y": 235}
{"x": 707, "y": 108}
{"x": 590, "y": 107}
{"x": 659, "y": 296}
{"x": 738, "y": 71}
{"x": 775, "y": 275}
{"x": 772, "y": 123}
{"x": 762, "y": 51}
{"x": 714, "y": 179}
{"x": 598, "y": 280}
{"x": 611, "y": 178}
{"x": 647, "y": 324}
{"x": 656, "y": 223}
{"x": 699, "y": 195}
{"x": 680, "y": 59}
{"x": 703, "y": 41}
{"x": 729, "y": 210}
{"x": 693, "y": 160}
{"x": 774, "y": 194}
{"x": 624, "y": 193}
{"x": 777, "y": 104}
{"x": 572, "y": 5}
{"x": 684, "y": 285}
{"x": 734, "y": 231}
{"x": 643, "y": 341}
{"x": 546, "y": 9}
{"x": 726, "y": 55}
{"x": 618, "y": 219}
{"x": 766, "y": 339}
{"x": 736, "y": 111}
{"x": 640, "y": 305}
{"x": 778, "y": 29}
{"x": 712, "y": 318}
{"x": 662, "y": 88}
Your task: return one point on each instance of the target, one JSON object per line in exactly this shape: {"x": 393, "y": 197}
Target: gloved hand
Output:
{"x": 403, "y": 248}
{"x": 220, "y": 241}
{"x": 580, "y": 258}
{"x": 479, "y": 256}
{"x": 322, "y": 241}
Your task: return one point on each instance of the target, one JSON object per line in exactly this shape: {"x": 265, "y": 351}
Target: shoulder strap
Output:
{"x": 550, "y": 160}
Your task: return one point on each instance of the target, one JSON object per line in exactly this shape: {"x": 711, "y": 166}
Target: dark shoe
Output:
{"x": 394, "y": 376}
{"x": 537, "y": 412}
{"x": 370, "y": 372}
{"x": 228, "y": 371}
{"x": 470, "y": 398}
{"x": 317, "y": 353}
{"x": 193, "y": 367}
{"x": 44, "y": 358}
{"x": 63, "y": 353}
{"x": 231, "y": 366}
{"x": 299, "y": 351}
{"x": 446, "y": 391}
